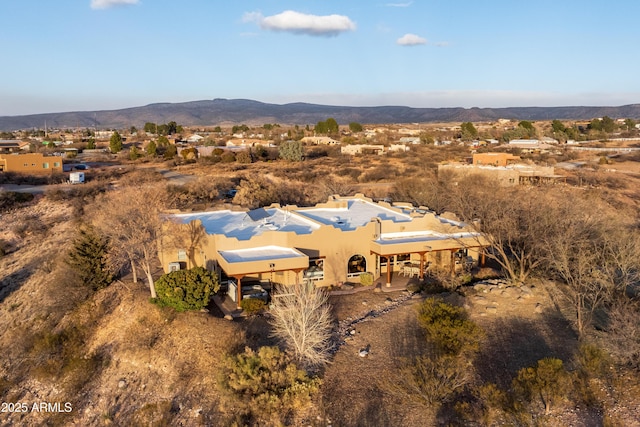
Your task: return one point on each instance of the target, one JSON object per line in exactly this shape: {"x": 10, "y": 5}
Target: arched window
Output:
{"x": 357, "y": 264}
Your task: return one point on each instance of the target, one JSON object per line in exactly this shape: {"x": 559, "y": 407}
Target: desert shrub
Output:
{"x": 158, "y": 414}
{"x": 448, "y": 327}
{"x": 623, "y": 335}
{"x": 548, "y": 381}
{"x": 11, "y": 199}
{"x": 252, "y": 305}
{"x": 5, "y": 247}
{"x": 292, "y": 151}
{"x": 378, "y": 173}
{"x": 31, "y": 226}
{"x": 592, "y": 361}
{"x": 366, "y": 279}
{"x": 350, "y": 172}
{"x": 228, "y": 157}
{"x": 436, "y": 380}
{"x": 264, "y": 387}
{"x": 255, "y": 192}
{"x": 244, "y": 157}
{"x": 186, "y": 289}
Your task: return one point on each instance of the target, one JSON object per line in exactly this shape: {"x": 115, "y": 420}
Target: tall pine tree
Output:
{"x": 88, "y": 258}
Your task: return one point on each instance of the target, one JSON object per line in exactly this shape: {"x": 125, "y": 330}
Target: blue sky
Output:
{"x": 70, "y": 55}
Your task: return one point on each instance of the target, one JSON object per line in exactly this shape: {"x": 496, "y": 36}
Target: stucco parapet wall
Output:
{"x": 262, "y": 259}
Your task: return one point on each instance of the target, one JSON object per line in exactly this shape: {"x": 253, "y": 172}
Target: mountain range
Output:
{"x": 226, "y": 112}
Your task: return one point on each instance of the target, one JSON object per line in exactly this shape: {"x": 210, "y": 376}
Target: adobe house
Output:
{"x": 327, "y": 244}
{"x": 30, "y": 163}
{"x": 494, "y": 159}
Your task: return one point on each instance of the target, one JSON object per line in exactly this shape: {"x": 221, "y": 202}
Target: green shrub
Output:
{"x": 366, "y": 279}
{"x": 186, "y": 289}
{"x": 252, "y": 305}
{"x": 548, "y": 380}
{"x": 264, "y": 387}
{"x": 448, "y": 327}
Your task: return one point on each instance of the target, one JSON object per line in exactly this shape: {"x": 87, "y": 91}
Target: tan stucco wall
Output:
{"x": 335, "y": 247}
{"x": 32, "y": 163}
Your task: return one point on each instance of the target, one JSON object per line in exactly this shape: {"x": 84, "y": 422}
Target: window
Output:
{"x": 182, "y": 255}
{"x": 357, "y": 265}
{"x": 56, "y": 164}
{"x": 315, "y": 270}
{"x": 45, "y": 166}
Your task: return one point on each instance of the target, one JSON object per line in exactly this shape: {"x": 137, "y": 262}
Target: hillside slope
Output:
{"x": 237, "y": 111}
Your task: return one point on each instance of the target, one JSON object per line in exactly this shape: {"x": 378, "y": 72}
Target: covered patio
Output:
{"x": 409, "y": 254}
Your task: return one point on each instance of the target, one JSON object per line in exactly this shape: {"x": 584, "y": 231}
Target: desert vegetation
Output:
{"x": 555, "y": 342}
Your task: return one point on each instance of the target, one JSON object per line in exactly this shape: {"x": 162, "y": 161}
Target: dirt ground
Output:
{"x": 519, "y": 330}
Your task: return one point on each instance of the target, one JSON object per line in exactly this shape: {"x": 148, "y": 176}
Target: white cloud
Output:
{"x": 105, "y": 4}
{"x": 407, "y": 4}
{"x": 411, "y": 40}
{"x": 301, "y": 23}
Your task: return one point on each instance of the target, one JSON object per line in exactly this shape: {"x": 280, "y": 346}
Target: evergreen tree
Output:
{"x": 291, "y": 150}
{"x": 115, "y": 143}
{"x": 152, "y": 149}
{"x": 88, "y": 258}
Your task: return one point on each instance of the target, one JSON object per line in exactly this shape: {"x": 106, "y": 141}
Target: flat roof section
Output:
{"x": 358, "y": 213}
{"x": 242, "y": 227}
{"x": 421, "y": 236}
{"x": 261, "y": 253}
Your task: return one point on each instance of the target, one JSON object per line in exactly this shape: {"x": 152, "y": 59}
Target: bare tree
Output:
{"x": 579, "y": 253}
{"x": 131, "y": 218}
{"x": 512, "y": 222}
{"x": 302, "y": 321}
{"x": 623, "y": 334}
{"x": 191, "y": 236}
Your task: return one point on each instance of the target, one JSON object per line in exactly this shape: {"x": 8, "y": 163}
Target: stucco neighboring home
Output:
{"x": 549, "y": 140}
{"x": 246, "y": 142}
{"x": 319, "y": 140}
{"x": 509, "y": 175}
{"x": 414, "y": 140}
{"x": 398, "y": 147}
{"x": 195, "y": 138}
{"x": 362, "y": 148}
{"x": 494, "y": 159}
{"x": 31, "y": 163}
{"x": 327, "y": 244}
{"x": 13, "y": 145}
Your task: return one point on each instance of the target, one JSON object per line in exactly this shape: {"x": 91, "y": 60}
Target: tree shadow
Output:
{"x": 513, "y": 344}
{"x": 11, "y": 283}
{"x": 409, "y": 341}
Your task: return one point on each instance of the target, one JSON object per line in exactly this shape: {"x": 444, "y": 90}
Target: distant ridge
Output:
{"x": 238, "y": 111}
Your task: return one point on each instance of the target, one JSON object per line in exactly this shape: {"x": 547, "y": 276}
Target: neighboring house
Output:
{"x": 246, "y": 142}
{"x": 327, "y": 244}
{"x": 319, "y": 140}
{"x": 31, "y": 163}
{"x": 494, "y": 159}
{"x": 362, "y": 148}
{"x": 398, "y": 147}
{"x": 413, "y": 140}
{"x": 13, "y": 145}
{"x": 195, "y": 138}
{"x": 509, "y": 175}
